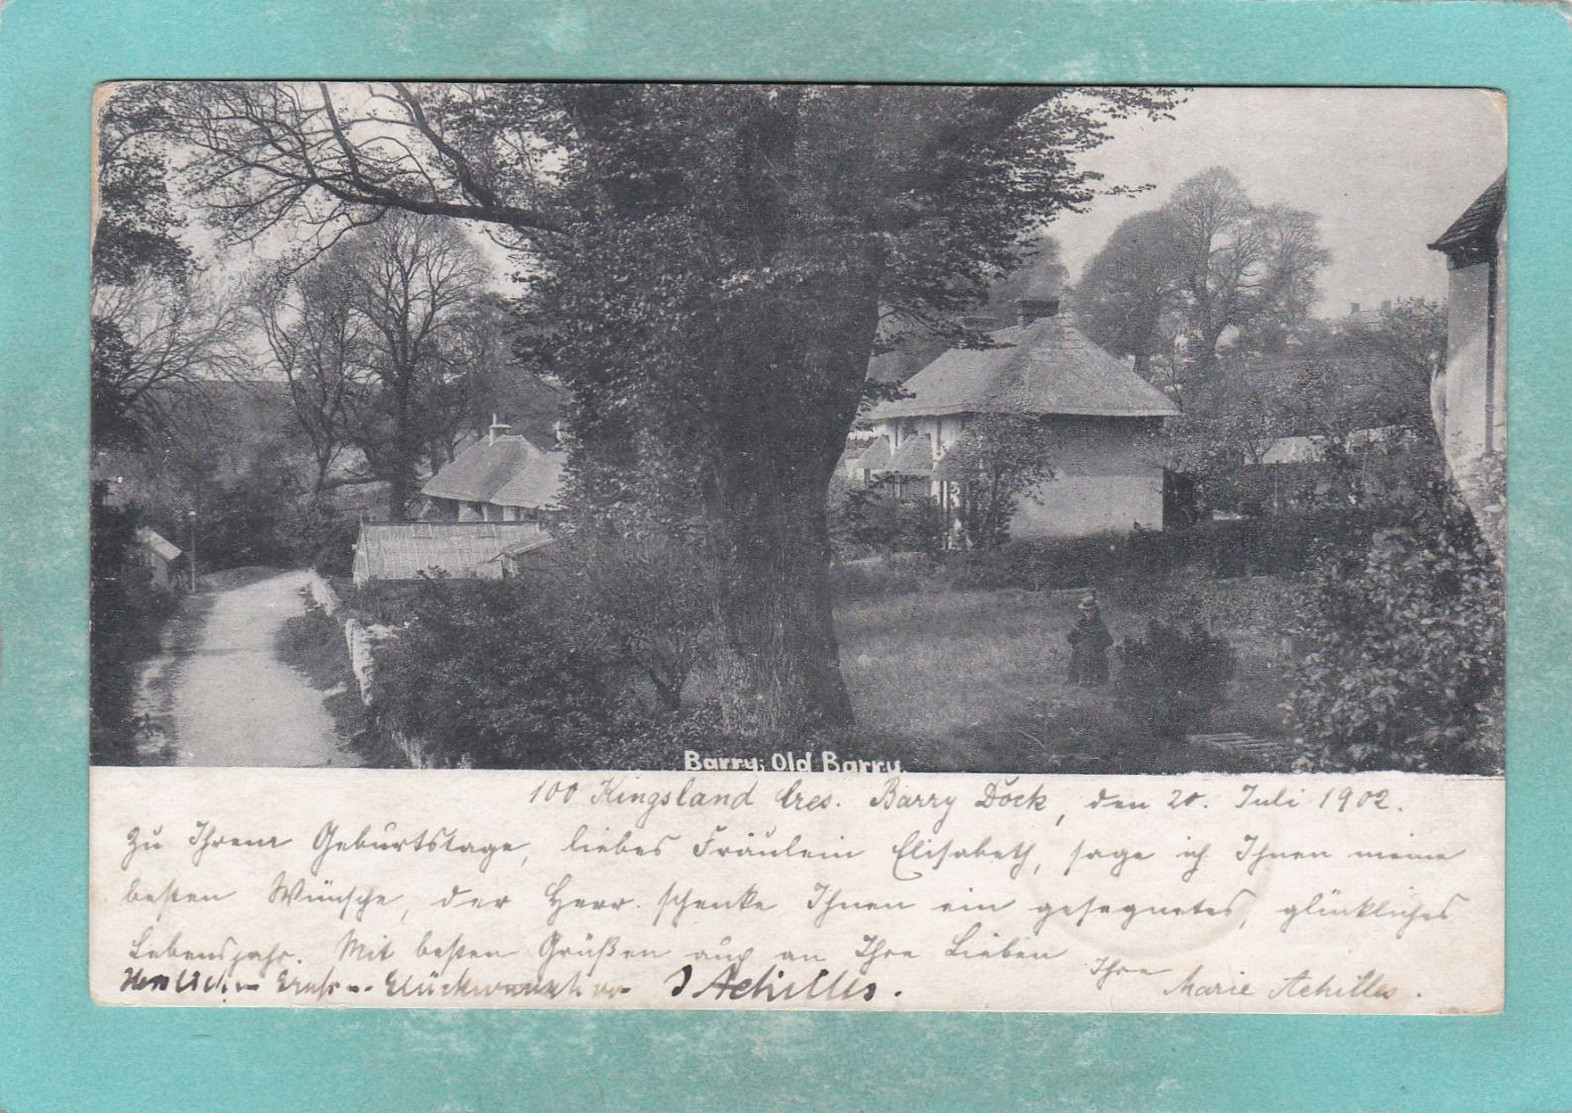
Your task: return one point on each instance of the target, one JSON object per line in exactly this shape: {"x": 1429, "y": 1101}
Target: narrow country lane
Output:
{"x": 235, "y": 703}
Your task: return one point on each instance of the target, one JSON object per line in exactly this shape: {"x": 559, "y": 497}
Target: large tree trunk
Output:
{"x": 799, "y": 366}
{"x": 778, "y": 660}
{"x": 401, "y": 490}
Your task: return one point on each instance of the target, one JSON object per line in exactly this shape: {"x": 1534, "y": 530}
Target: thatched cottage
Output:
{"x": 486, "y": 509}
{"x": 1101, "y": 419}
{"x": 502, "y": 478}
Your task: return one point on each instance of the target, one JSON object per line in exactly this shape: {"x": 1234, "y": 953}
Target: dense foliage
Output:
{"x": 640, "y": 586}
{"x": 1404, "y": 653}
{"x": 1286, "y": 545}
{"x": 492, "y": 674}
{"x": 127, "y": 615}
{"x": 589, "y": 649}
{"x": 1173, "y": 680}
{"x": 877, "y": 520}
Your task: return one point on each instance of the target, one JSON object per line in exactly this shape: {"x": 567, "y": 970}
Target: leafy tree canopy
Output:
{"x": 713, "y": 264}
{"x": 1175, "y": 280}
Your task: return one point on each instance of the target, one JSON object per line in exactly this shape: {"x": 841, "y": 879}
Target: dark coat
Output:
{"x": 1089, "y": 644}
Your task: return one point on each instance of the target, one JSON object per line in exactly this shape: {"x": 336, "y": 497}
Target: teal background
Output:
{"x": 58, "y": 1050}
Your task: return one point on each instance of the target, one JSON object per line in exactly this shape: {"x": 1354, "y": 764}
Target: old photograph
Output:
{"x": 798, "y": 428}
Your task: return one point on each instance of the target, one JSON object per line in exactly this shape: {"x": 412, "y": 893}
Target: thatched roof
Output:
{"x": 534, "y": 486}
{"x": 876, "y": 455}
{"x": 1045, "y": 368}
{"x": 913, "y": 459}
{"x": 510, "y": 471}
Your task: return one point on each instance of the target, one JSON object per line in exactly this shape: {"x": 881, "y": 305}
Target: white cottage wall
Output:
{"x": 1468, "y": 431}
{"x": 1108, "y": 478}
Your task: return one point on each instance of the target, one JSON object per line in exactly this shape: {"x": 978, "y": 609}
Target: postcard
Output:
{"x": 798, "y": 546}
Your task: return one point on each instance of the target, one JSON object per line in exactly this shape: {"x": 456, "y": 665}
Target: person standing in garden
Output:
{"x": 1089, "y": 644}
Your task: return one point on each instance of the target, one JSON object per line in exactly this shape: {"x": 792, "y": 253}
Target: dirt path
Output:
{"x": 234, "y": 703}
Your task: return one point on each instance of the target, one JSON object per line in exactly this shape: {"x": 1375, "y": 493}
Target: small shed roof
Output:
{"x": 510, "y": 471}
{"x": 1474, "y": 231}
{"x": 400, "y": 552}
{"x": 156, "y": 543}
{"x": 1047, "y": 367}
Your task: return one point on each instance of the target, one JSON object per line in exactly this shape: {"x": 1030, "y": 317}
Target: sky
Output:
{"x": 1387, "y": 170}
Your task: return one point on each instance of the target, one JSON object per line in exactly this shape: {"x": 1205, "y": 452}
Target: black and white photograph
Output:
{"x": 798, "y": 427}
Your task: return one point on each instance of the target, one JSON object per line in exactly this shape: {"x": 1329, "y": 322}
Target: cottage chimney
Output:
{"x": 1386, "y": 306}
{"x": 1353, "y": 309}
{"x": 496, "y": 430}
{"x": 1029, "y": 310}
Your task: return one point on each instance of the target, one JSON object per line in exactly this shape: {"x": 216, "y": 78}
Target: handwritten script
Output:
{"x": 820, "y": 890}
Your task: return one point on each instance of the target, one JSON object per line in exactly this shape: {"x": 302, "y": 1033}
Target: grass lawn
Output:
{"x": 975, "y": 681}
{"x": 943, "y": 679}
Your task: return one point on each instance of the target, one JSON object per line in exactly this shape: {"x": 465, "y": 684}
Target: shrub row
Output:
{"x": 1288, "y": 545}
{"x": 1283, "y": 545}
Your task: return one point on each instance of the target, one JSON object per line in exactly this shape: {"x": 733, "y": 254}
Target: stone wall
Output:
{"x": 357, "y": 637}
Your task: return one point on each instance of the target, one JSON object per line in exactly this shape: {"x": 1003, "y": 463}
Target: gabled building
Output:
{"x": 474, "y": 549}
{"x": 1100, "y": 418}
{"x": 502, "y": 478}
{"x": 1469, "y": 401}
{"x": 485, "y": 509}
{"x": 164, "y": 560}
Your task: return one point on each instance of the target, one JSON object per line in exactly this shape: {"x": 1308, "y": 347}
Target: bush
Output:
{"x": 659, "y": 742}
{"x": 645, "y": 589}
{"x": 492, "y": 674}
{"x": 1405, "y": 659}
{"x": 877, "y": 520}
{"x": 1173, "y": 680}
{"x": 249, "y": 520}
{"x": 383, "y": 603}
{"x": 1093, "y": 560}
{"x": 324, "y": 539}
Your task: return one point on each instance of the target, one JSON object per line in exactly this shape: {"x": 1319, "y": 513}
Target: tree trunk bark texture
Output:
{"x": 799, "y": 379}
{"x": 778, "y": 658}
